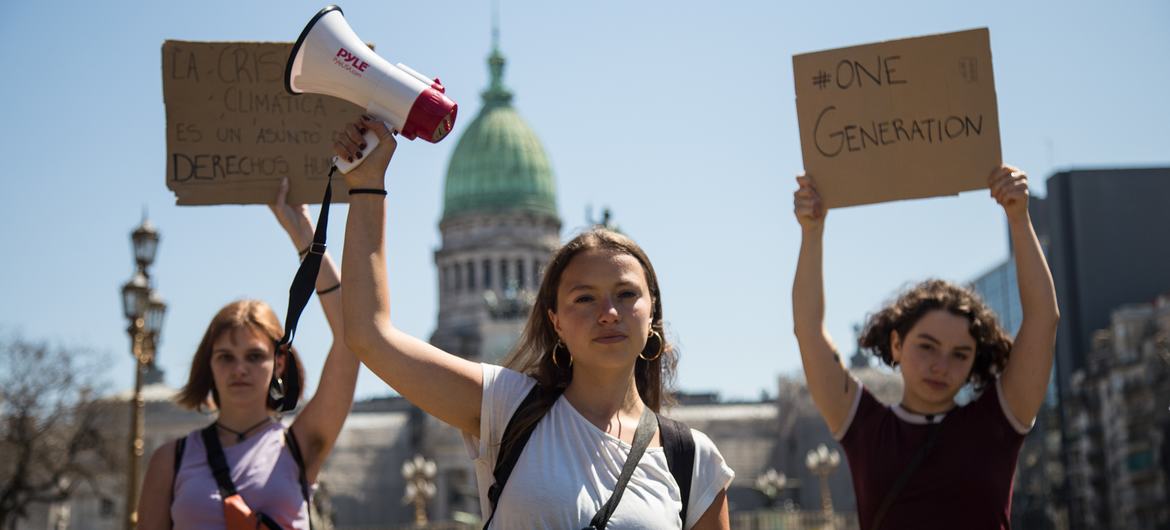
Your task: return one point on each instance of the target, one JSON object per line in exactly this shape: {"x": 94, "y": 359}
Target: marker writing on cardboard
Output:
{"x": 853, "y": 74}
{"x": 831, "y": 138}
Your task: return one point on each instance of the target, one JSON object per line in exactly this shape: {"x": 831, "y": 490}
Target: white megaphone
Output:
{"x": 330, "y": 59}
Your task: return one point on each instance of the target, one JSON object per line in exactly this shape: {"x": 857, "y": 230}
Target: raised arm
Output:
{"x": 1025, "y": 379}
{"x": 830, "y": 385}
{"x": 445, "y": 386}
{"x": 319, "y": 423}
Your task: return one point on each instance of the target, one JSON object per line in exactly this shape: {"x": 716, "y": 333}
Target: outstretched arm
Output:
{"x": 445, "y": 386}
{"x": 319, "y": 423}
{"x": 1025, "y": 380}
{"x": 830, "y": 385}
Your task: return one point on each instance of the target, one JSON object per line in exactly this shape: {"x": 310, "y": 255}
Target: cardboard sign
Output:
{"x": 900, "y": 119}
{"x": 233, "y": 132}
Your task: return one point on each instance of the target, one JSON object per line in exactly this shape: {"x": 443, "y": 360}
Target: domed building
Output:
{"x": 499, "y": 228}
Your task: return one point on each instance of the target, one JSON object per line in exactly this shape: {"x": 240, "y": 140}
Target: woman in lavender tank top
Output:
{"x": 926, "y": 462}
{"x": 234, "y": 367}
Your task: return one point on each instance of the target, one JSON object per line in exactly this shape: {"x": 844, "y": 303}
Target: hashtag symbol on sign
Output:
{"x": 821, "y": 80}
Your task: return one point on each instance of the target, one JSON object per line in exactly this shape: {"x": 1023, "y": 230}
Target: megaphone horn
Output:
{"x": 329, "y": 58}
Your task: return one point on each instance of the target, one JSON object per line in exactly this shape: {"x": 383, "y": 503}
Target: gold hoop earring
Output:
{"x": 560, "y": 346}
{"x": 661, "y": 347}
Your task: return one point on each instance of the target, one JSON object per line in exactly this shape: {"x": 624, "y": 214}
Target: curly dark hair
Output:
{"x": 992, "y": 343}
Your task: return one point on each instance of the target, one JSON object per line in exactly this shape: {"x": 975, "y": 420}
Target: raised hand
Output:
{"x": 810, "y": 211}
{"x": 349, "y": 143}
{"x": 1009, "y": 188}
{"x": 294, "y": 218}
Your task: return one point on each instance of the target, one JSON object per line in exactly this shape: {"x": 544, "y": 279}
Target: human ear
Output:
{"x": 278, "y": 365}
{"x": 552, "y": 317}
{"x": 895, "y": 346}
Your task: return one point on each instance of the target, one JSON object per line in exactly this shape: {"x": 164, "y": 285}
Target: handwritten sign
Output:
{"x": 900, "y": 119}
{"x": 233, "y": 132}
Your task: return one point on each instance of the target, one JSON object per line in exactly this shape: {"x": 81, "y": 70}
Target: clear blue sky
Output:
{"x": 679, "y": 115}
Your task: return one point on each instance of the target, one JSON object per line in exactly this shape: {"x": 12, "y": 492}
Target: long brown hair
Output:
{"x": 534, "y": 353}
{"x": 241, "y": 314}
{"x": 992, "y": 344}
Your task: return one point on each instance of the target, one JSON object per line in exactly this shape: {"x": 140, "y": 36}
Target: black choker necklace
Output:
{"x": 241, "y": 434}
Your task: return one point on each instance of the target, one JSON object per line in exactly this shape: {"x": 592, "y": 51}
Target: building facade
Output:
{"x": 1119, "y": 421}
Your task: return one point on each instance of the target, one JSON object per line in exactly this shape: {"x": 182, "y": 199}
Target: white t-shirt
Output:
{"x": 569, "y": 468}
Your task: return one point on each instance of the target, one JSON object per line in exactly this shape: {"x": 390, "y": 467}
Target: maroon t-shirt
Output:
{"x": 966, "y": 479}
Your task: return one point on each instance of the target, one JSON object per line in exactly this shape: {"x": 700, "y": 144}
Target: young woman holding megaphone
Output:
{"x": 249, "y": 380}
{"x": 579, "y": 395}
{"x": 925, "y": 462}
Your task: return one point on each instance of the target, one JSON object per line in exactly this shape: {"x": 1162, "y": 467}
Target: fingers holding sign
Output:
{"x": 294, "y": 218}
{"x": 807, "y": 205}
{"x": 1009, "y": 187}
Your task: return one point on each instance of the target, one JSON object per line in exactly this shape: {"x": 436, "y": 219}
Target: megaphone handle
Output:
{"x": 346, "y": 166}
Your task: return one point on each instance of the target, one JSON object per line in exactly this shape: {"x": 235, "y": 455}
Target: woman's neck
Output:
{"x": 602, "y": 396}
{"x": 240, "y": 419}
{"x": 924, "y": 408}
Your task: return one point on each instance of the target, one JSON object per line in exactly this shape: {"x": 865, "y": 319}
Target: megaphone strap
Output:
{"x": 306, "y": 277}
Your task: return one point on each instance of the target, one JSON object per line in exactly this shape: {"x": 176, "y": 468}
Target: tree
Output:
{"x": 51, "y": 441}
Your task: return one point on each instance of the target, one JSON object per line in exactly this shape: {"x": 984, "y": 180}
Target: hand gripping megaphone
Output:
{"x": 329, "y": 58}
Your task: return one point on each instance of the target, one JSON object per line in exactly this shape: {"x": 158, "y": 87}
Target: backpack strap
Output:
{"x": 679, "y": 444}
{"x": 180, "y": 447}
{"x": 535, "y": 404}
{"x": 293, "y": 447}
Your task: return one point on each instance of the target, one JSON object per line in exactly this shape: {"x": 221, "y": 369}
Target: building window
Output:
{"x": 445, "y": 279}
{"x": 536, "y": 271}
{"x": 504, "y": 273}
{"x": 458, "y": 277}
{"x": 520, "y": 273}
{"x": 487, "y": 274}
{"x": 470, "y": 275}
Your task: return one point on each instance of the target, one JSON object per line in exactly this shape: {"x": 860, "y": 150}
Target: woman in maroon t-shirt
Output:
{"x": 925, "y": 462}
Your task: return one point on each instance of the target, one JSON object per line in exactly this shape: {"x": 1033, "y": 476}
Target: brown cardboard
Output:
{"x": 899, "y": 119}
{"x": 233, "y": 131}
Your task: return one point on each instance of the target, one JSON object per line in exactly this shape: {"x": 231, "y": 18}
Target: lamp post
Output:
{"x": 771, "y": 484}
{"x": 420, "y": 487}
{"x": 144, "y": 310}
{"x": 822, "y": 461}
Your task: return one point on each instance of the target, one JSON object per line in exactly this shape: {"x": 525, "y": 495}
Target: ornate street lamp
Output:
{"x": 822, "y": 461}
{"x": 420, "y": 486}
{"x": 144, "y": 310}
{"x": 772, "y": 484}
{"x": 145, "y": 239}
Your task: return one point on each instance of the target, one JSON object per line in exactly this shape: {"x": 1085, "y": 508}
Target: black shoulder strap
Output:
{"x": 642, "y": 436}
{"x": 290, "y": 440}
{"x": 180, "y": 447}
{"x": 516, "y": 440}
{"x": 679, "y": 445}
{"x": 217, "y": 461}
{"x": 900, "y": 483}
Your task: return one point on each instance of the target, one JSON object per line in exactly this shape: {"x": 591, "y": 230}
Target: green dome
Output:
{"x": 498, "y": 164}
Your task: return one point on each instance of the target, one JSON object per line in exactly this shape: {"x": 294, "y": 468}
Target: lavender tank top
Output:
{"x": 265, "y": 475}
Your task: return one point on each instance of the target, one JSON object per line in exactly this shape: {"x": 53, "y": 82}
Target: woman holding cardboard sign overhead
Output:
{"x": 565, "y": 435}
{"x": 246, "y": 470}
{"x": 926, "y": 462}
